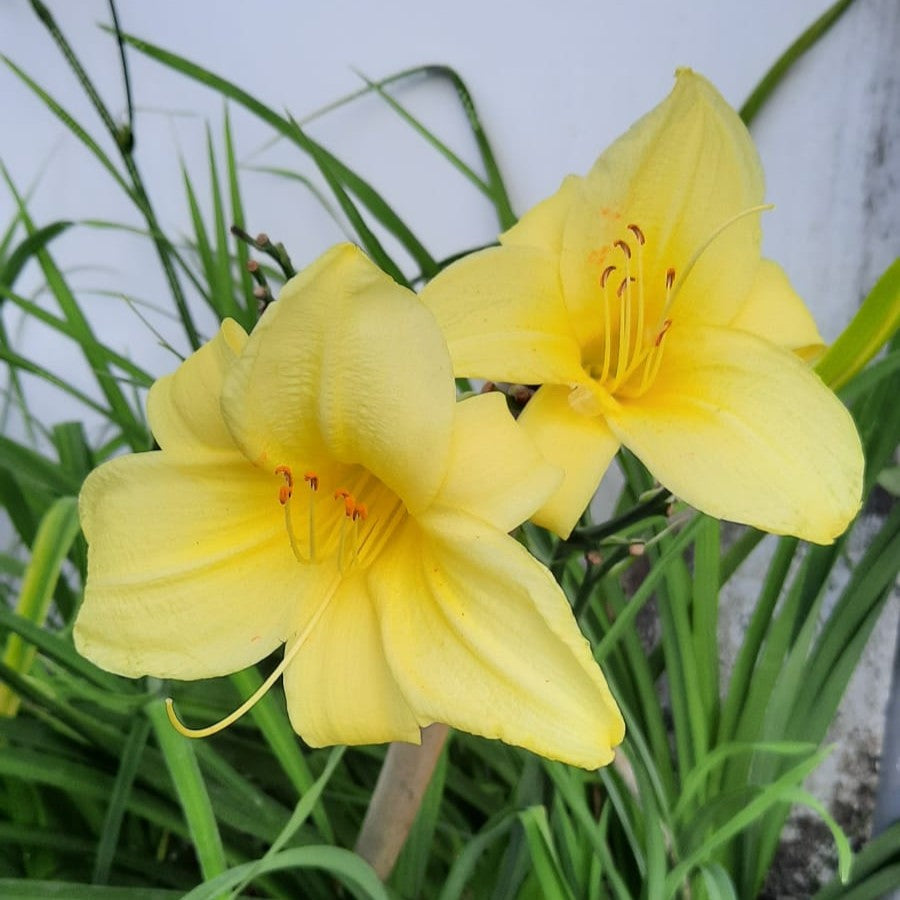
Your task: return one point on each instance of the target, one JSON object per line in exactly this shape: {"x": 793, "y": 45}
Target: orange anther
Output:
{"x": 666, "y": 325}
{"x": 604, "y": 275}
{"x": 341, "y": 494}
{"x": 287, "y": 489}
{"x": 360, "y": 512}
{"x": 312, "y": 480}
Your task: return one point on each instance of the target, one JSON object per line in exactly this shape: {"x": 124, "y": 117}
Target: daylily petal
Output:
{"x": 542, "y": 227}
{"x": 339, "y": 688}
{"x": 583, "y": 446}
{"x": 743, "y": 430}
{"x": 348, "y": 366}
{"x": 190, "y": 572}
{"x": 496, "y": 473}
{"x": 503, "y": 316}
{"x": 774, "y": 311}
{"x": 680, "y": 173}
{"x": 183, "y": 408}
{"x": 489, "y": 643}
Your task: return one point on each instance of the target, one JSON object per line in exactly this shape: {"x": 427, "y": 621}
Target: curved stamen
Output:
{"x": 686, "y": 271}
{"x": 261, "y": 691}
{"x": 636, "y": 231}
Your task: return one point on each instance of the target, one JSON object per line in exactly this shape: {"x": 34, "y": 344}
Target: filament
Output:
{"x": 686, "y": 271}
{"x": 260, "y": 692}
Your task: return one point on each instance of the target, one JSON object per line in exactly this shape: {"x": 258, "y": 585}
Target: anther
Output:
{"x": 666, "y": 326}
{"x": 639, "y": 235}
{"x": 621, "y": 288}
{"x": 361, "y": 512}
{"x": 604, "y": 275}
{"x": 312, "y": 480}
{"x": 623, "y": 247}
{"x": 287, "y": 489}
{"x": 670, "y": 279}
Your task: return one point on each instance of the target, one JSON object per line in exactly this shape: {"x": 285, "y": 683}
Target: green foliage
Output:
{"x": 100, "y": 798}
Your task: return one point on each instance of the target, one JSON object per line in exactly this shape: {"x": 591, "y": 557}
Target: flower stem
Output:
{"x": 397, "y": 797}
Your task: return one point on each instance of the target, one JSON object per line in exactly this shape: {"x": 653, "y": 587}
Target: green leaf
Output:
{"x": 118, "y": 799}
{"x": 185, "y": 772}
{"x": 342, "y": 864}
{"x": 875, "y": 322}
{"x": 276, "y": 729}
{"x": 543, "y": 853}
{"x": 28, "y": 248}
{"x": 339, "y": 177}
{"x": 774, "y": 76}
{"x": 51, "y": 546}
{"x": 777, "y": 792}
{"x": 301, "y": 813}
{"x": 15, "y": 889}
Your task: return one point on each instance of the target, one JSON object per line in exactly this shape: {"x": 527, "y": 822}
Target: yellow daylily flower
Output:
{"x": 318, "y": 486}
{"x": 637, "y": 298}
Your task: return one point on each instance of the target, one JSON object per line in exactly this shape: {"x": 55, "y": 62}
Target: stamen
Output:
{"x": 639, "y": 327}
{"x": 637, "y": 233}
{"x": 670, "y": 279}
{"x": 624, "y": 349}
{"x": 312, "y": 479}
{"x": 623, "y": 247}
{"x": 607, "y": 326}
{"x": 651, "y": 369}
{"x": 261, "y": 691}
{"x": 286, "y": 491}
{"x": 353, "y": 512}
{"x": 604, "y": 275}
{"x": 659, "y": 338}
{"x": 763, "y": 207}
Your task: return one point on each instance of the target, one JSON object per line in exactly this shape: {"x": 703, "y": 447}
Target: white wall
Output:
{"x": 554, "y": 84}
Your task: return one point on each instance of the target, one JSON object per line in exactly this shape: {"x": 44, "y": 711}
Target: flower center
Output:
{"x": 335, "y": 522}
{"x": 626, "y": 358}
